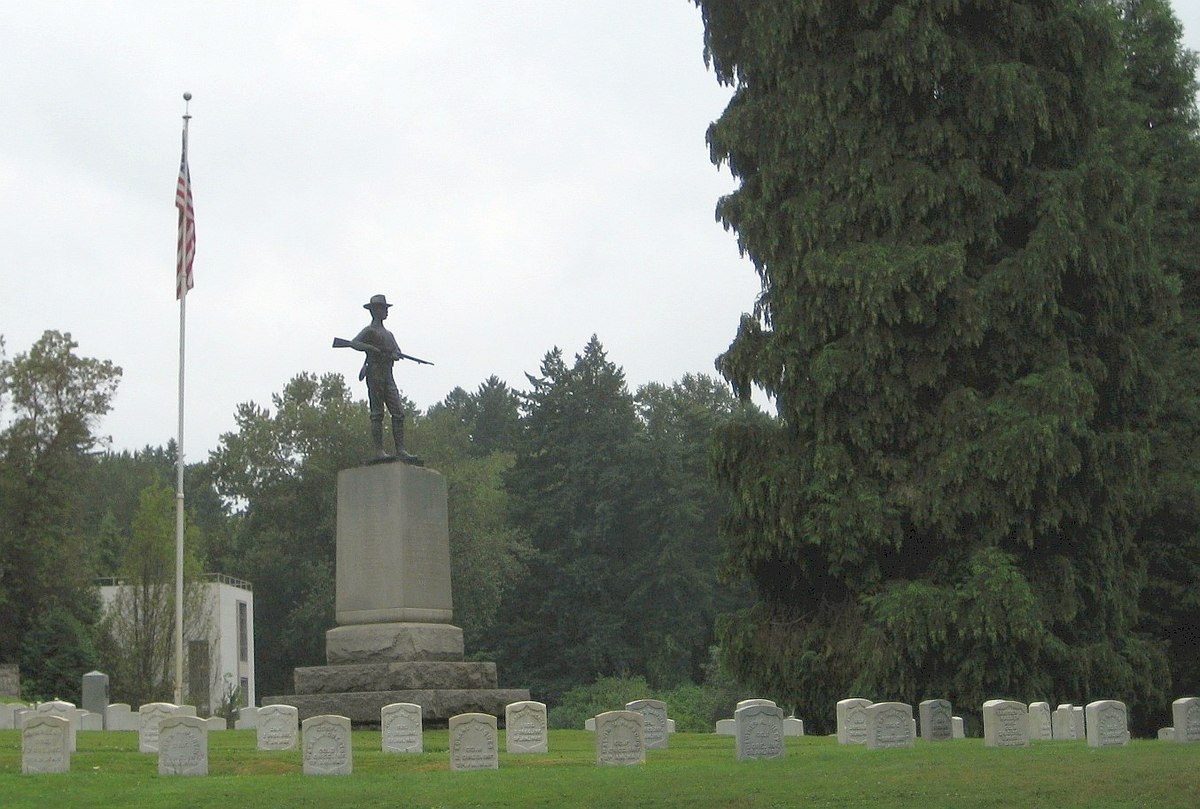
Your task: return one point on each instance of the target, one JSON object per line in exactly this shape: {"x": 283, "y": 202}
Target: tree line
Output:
{"x": 582, "y": 524}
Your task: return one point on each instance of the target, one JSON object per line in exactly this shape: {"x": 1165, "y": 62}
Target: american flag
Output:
{"x": 185, "y": 252}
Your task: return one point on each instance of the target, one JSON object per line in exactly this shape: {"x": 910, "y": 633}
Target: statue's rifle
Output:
{"x": 338, "y": 342}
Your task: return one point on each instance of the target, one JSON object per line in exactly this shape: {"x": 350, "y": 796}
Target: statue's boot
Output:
{"x": 398, "y": 437}
{"x": 377, "y": 437}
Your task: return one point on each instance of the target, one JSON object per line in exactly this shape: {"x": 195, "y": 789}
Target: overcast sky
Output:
{"x": 513, "y": 175}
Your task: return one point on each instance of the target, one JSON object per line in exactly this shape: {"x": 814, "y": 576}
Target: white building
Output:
{"x": 218, "y": 647}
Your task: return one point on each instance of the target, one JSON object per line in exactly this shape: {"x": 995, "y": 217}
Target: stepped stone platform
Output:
{"x": 395, "y": 642}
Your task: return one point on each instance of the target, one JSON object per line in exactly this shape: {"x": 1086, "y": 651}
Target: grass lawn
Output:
{"x": 698, "y": 770}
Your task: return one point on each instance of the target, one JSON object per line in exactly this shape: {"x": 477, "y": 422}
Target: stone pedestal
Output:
{"x": 394, "y": 641}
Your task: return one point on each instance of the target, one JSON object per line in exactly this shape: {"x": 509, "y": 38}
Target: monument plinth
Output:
{"x": 394, "y": 641}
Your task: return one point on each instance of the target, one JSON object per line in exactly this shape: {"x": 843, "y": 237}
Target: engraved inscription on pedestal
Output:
{"x": 44, "y": 745}
{"x": 182, "y": 746}
{"x": 759, "y": 730}
{"x": 620, "y": 738}
{"x": 889, "y": 724}
{"x": 278, "y": 727}
{"x": 936, "y": 724}
{"x": 852, "y": 720}
{"x": 473, "y": 742}
{"x": 149, "y": 716}
{"x": 327, "y": 745}
{"x": 1107, "y": 723}
{"x": 656, "y": 731}
{"x": 525, "y": 727}
{"x": 401, "y": 725}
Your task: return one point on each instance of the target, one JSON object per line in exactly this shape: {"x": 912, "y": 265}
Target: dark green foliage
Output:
{"x": 960, "y": 296}
{"x": 46, "y": 563}
{"x": 1163, "y": 76}
{"x": 279, "y": 470}
{"x": 615, "y": 495}
{"x": 569, "y": 489}
{"x": 58, "y": 649}
{"x": 487, "y": 550}
{"x": 695, "y": 708}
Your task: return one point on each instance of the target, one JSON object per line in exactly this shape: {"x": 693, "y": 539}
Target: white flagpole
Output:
{"x": 179, "y": 522}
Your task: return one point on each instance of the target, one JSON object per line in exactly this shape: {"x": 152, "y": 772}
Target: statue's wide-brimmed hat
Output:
{"x": 377, "y": 300}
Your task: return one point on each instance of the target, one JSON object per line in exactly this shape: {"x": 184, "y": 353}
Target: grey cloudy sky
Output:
{"x": 513, "y": 175}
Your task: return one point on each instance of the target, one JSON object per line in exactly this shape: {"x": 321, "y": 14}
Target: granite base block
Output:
{"x": 393, "y": 642}
{"x": 423, "y": 675}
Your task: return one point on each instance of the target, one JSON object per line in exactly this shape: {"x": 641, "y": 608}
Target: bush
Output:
{"x": 695, "y": 708}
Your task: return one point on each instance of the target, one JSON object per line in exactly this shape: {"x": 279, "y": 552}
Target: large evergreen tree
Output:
{"x": 958, "y": 294}
{"x": 1162, "y": 75}
{"x": 565, "y": 621}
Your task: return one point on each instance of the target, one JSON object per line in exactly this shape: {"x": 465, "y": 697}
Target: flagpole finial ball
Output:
{"x": 187, "y": 96}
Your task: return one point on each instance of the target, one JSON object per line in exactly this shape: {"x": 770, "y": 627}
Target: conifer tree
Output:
{"x": 1162, "y": 76}
{"x": 943, "y": 203}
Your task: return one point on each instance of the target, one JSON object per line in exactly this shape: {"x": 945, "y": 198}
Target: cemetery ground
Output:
{"x": 697, "y": 770}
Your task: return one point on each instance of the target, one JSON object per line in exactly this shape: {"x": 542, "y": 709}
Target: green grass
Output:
{"x": 697, "y": 770}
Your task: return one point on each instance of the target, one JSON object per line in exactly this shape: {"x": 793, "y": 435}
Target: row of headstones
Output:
{"x": 657, "y": 726}
{"x": 117, "y": 716}
{"x": 1006, "y": 723}
{"x": 181, "y": 739}
{"x": 728, "y": 727}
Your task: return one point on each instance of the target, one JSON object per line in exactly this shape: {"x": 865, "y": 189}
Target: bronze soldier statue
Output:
{"x": 382, "y": 352}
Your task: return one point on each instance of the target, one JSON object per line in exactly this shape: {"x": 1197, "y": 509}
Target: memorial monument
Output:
{"x": 394, "y": 640}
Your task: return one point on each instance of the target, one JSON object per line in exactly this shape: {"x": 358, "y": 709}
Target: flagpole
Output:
{"x": 179, "y": 510}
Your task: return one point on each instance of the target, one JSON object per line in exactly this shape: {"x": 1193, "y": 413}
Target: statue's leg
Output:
{"x": 377, "y": 436}
{"x": 398, "y": 433}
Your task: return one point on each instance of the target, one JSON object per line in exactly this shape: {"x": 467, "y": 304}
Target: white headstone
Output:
{"x": 890, "y": 724}
{"x": 1040, "y": 726}
{"x": 935, "y": 720}
{"x": 401, "y": 727}
{"x": 759, "y": 732}
{"x": 726, "y": 727}
{"x": 119, "y": 716}
{"x": 45, "y": 744}
{"x": 620, "y": 738}
{"x": 247, "y": 718}
{"x": 278, "y": 727}
{"x": 1107, "y": 723}
{"x": 655, "y": 712}
{"x": 590, "y": 724}
{"x": 852, "y": 721}
{"x": 957, "y": 729}
{"x": 1166, "y": 734}
{"x": 215, "y": 723}
{"x": 525, "y": 727}
{"x": 1185, "y": 713}
{"x": 327, "y": 745}
{"x": 1062, "y": 723}
{"x": 91, "y": 721}
{"x": 746, "y": 703}
{"x": 8, "y": 712}
{"x": 793, "y": 726}
{"x": 182, "y": 746}
{"x": 473, "y": 742}
{"x": 149, "y": 715}
{"x": 67, "y": 711}
{"x": 1005, "y": 723}
{"x": 1080, "y": 723}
